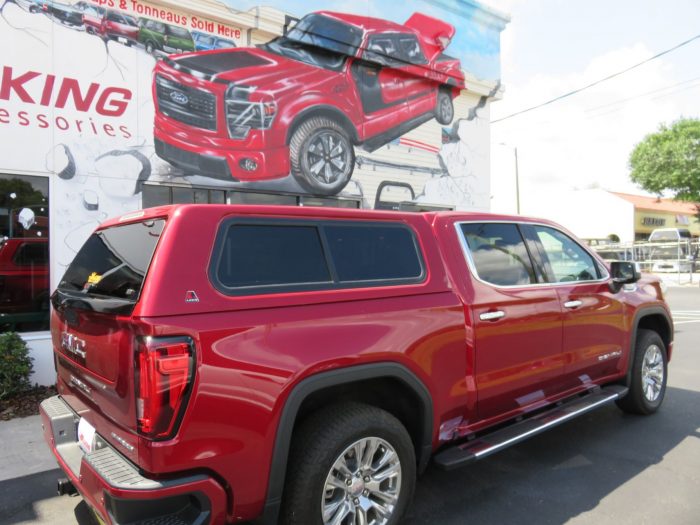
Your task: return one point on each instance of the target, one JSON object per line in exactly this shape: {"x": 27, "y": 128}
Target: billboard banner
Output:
{"x": 366, "y": 100}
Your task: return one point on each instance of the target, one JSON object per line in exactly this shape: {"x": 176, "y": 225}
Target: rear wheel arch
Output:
{"x": 307, "y": 397}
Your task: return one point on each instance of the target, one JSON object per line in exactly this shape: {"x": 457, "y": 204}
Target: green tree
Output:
{"x": 669, "y": 160}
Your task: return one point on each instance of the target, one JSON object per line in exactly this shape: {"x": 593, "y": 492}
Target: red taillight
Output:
{"x": 164, "y": 368}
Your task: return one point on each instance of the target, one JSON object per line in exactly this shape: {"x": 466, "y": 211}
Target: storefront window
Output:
{"x": 24, "y": 253}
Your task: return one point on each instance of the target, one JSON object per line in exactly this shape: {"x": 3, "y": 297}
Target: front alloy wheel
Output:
{"x": 364, "y": 484}
{"x": 321, "y": 156}
{"x": 649, "y": 374}
{"x": 652, "y": 373}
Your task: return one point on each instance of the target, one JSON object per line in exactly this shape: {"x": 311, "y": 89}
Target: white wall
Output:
{"x": 39, "y": 344}
{"x": 589, "y": 214}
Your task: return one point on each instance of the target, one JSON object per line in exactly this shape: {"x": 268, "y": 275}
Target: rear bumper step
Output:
{"x": 465, "y": 453}
{"x": 117, "y": 490}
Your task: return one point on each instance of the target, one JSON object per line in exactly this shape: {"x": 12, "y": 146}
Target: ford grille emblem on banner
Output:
{"x": 179, "y": 97}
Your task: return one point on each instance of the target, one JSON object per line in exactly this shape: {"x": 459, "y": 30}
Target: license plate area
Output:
{"x": 86, "y": 436}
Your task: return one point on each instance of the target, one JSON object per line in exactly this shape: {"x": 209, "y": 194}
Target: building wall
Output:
{"x": 646, "y": 221}
{"x": 77, "y": 109}
{"x": 589, "y": 214}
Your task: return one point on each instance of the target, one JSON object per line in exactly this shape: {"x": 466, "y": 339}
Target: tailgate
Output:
{"x": 436, "y": 34}
{"x": 93, "y": 333}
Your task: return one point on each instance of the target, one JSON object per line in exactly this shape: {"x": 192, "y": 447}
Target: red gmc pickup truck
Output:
{"x": 219, "y": 364}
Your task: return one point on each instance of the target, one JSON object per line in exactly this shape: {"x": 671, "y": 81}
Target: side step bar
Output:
{"x": 465, "y": 453}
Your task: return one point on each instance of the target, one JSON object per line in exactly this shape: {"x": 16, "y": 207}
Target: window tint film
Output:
{"x": 367, "y": 253}
{"x": 568, "y": 261}
{"x": 499, "y": 254}
{"x": 268, "y": 255}
{"x": 113, "y": 262}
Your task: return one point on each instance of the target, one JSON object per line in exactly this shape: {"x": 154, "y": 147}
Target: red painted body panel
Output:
{"x": 251, "y": 351}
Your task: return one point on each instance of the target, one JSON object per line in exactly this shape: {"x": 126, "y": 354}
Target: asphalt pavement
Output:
{"x": 603, "y": 468}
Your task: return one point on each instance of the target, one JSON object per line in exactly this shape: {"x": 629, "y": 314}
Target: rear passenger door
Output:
{"x": 517, "y": 322}
{"x": 594, "y": 317}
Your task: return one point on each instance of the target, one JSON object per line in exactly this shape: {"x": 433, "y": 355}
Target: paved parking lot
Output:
{"x": 603, "y": 468}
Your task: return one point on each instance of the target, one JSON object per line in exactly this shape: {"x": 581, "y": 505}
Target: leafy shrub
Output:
{"x": 15, "y": 365}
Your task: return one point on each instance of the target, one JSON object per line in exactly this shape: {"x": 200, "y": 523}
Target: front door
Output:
{"x": 517, "y": 322}
{"x": 594, "y": 317}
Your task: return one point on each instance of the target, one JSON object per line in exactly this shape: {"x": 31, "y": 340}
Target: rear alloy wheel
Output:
{"x": 649, "y": 375}
{"x": 444, "y": 108}
{"x": 351, "y": 464}
{"x": 322, "y": 156}
{"x": 150, "y": 48}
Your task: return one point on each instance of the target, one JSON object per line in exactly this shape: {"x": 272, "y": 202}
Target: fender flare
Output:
{"x": 638, "y": 316}
{"x": 316, "y": 382}
{"x": 336, "y": 113}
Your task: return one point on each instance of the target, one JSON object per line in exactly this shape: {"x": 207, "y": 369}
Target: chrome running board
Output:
{"x": 487, "y": 444}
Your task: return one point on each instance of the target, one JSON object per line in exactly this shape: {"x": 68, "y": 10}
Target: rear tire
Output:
{"x": 323, "y": 476}
{"x": 649, "y": 374}
{"x": 444, "y": 108}
{"x": 321, "y": 155}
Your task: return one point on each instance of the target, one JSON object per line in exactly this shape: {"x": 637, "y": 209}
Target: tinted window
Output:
{"x": 113, "y": 262}
{"x": 268, "y": 255}
{"x": 327, "y": 33}
{"x": 568, "y": 261}
{"x": 367, "y": 253}
{"x": 410, "y": 50}
{"x": 499, "y": 254}
{"x": 34, "y": 254}
{"x": 205, "y": 40}
{"x": 179, "y": 32}
{"x": 224, "y": 44}
{"x": 382, "y": 50}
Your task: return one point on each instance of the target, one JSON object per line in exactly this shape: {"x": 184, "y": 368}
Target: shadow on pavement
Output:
{"x": 19, "y": 498}
{"x": 559, "y": 474}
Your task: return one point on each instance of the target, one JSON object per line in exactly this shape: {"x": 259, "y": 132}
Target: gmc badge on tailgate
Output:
{"x": 72, "y": 344}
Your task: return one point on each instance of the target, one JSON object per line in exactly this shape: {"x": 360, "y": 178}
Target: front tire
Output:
{"x": 321, "y": 155}
{"x": 649, "y": 375}
{"x": 327, "y": 484}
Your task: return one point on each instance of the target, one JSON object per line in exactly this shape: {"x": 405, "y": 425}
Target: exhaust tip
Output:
{"x": 65, "y": 487}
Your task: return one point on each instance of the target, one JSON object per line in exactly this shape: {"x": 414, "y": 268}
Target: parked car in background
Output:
{"x": 303, "y": 101}
{"x": 218, "y": 364}
{"x": 671, "y": 250}
{"x": 33, "y": 6}
{"x": 207, "y": 42}
{"x": 112, "y": 25}
{"x": 66, "y": 13}
{"x": 161, "y": 37}
{"x": 24, "y": 281}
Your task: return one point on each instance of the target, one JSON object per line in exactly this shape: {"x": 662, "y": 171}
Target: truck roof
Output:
{"x": 318, "y": 212}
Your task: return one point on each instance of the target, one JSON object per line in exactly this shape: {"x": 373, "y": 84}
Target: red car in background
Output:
{"x": 111, "y": 24}
{"x": 24, "y": 280}
{"x": 302, "y": 101}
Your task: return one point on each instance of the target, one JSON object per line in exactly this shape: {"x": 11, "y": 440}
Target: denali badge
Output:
{"x": 179, "y": 97}
{"x": 73, "y": 345}
{"x": 605, "y": 357}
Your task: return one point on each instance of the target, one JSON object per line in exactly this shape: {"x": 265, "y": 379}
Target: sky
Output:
{"x": 553, "y": 46}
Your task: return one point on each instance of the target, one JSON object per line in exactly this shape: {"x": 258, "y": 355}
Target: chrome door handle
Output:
{"x": 492, "y": 316}
{"x": 573, "y": 304}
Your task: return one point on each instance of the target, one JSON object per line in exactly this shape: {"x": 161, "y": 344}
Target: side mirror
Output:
{"x": 623, "y": 272}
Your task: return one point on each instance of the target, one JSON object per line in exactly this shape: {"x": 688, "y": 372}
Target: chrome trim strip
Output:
{"x": 566, "y": 417}
{"x": 472, "y": 266}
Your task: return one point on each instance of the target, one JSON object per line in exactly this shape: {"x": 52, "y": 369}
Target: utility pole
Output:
{"x": 517, "y": 182}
